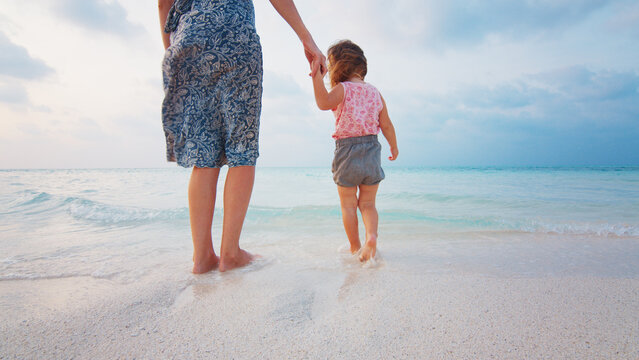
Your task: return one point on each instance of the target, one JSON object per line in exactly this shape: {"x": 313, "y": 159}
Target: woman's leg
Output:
{"x": 237, "y": 194}
{"x": 202, "y": 189}
{"x": 348, "y": 201}
{"x": 366, "y": 204}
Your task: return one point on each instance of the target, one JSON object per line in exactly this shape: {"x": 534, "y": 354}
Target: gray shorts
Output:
{"x": 358, "y": 161}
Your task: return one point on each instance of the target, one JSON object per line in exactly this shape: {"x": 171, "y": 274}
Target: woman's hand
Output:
{"x": 316, "y": 59}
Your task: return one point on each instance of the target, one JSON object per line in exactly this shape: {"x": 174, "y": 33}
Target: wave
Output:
{"x": 97, "y": 274}
{"x": 89, "y": 210}
{"x": 44, "y": 204}
{"x": 433, "y": 197}
{"x": 17, "y": 276}
{"x": 303, "y": 213}
{"x": 417, "y": 219}
{"x": 41, "y": 203}
{"x": 98, "y": 213}
{"x": 602, "y": 229}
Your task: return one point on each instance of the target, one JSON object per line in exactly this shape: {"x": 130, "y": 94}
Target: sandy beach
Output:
{"x": 359, "y": 313}
{"x": 473, "y": 264}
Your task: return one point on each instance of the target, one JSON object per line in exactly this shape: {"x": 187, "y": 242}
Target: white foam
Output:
{"x": 374, "y": 262}
{"x": 18, "y": 276}
{"x": 581, "y": 228}
{"x": 344, "y": 249}
{"x": 258, "y": 263}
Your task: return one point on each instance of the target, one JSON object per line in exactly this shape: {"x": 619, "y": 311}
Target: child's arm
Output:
{"x": 389, "y": 131}
{"x": 326, "y": 100}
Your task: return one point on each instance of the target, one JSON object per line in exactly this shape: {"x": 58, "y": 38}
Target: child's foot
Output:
{"x": 242, "y": 258}
{"x": 369, "y": 249}
{"x": 210, "y": 262}
{"x": 355, "y": 248}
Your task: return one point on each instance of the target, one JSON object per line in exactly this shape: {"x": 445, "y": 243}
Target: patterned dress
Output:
{"x": 212, "y": 76}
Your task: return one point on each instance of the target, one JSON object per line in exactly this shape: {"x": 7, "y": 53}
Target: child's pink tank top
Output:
{"x": 358, "y": 113}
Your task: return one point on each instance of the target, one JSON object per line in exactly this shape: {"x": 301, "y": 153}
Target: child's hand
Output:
{"x": 394, "y": 153}
{"x": 317, "y": 68}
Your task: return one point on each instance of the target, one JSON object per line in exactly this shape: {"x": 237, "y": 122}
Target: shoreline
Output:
{"x": 279, "y": 311}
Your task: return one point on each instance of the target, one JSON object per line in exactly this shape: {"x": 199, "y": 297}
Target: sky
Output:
{"x": 467, "y": 83}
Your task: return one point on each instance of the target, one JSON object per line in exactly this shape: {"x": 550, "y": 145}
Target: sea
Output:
{"x": 130, "y": 225}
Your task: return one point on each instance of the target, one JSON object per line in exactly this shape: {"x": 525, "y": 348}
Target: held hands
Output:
{"x": 315, "y": 58}
{"x": 317, "y": 68}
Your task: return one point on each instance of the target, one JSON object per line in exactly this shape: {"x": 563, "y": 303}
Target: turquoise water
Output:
{"x": 127, "y": 224}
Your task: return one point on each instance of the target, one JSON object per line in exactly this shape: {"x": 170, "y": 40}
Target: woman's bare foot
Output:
{"x": 369, "y": 249}
{"x": 242, "y": 258}
{"x": 205, "y": 265}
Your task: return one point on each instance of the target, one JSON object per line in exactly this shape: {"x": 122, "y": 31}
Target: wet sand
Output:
{"x": 280, "y": 310}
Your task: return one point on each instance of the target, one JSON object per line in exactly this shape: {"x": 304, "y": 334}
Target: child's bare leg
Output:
{"x": 366, "y": 204}
{"x": 202, "y": 189}
{"x": 237, "y": 194}
{"x": 348, "y": 201}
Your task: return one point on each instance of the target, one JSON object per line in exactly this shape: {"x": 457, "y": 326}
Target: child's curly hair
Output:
{"x": 345, "y": 59}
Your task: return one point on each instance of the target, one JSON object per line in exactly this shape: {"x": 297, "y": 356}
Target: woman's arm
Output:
{"x": 164, "y": 6}
{"x": 288, "y": 11}
{"x": 326, "y": 100}
{"x": 389, "y": 131}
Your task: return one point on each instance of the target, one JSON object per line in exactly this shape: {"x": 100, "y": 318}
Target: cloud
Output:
{"x": 467, "y": 82}
{"x": 603, "y": 97}
{"x": 16, "y": 62}
{"x": 437, "y": 24}
{"x": 276, "y": 85}
{"x": 626, "y": 18}
{"x": 470, "y": 21}
{"x": 583, "y": 100}
{"x": 292, "y": 130}
{"x": 12, "y": 93}
{"x": 562, "y": 117}
{"x": 582, "y": 85}
{"x": 98, "y": 15}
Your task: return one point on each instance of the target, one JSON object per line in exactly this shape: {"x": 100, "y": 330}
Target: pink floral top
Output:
{"x": 358, "y": 113}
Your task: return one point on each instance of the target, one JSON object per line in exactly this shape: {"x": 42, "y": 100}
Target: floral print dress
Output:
{"x": 212, "y": 77}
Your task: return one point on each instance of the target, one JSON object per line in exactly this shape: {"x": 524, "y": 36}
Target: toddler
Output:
{"x": 360, "y": 112}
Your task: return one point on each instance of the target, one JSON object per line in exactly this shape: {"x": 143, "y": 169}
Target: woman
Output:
{"x": 212, "y": 72}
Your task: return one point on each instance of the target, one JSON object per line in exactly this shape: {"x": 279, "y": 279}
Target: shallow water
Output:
{"x": 128, "y": 224}
{"x": 472, "y": 262}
